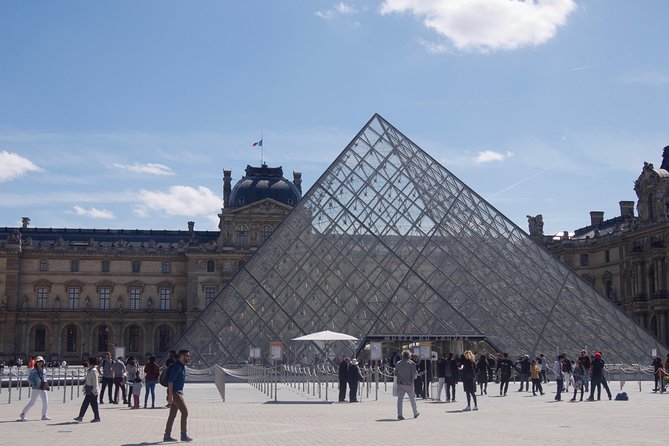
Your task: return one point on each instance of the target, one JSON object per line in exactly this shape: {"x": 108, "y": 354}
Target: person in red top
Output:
{"x": 151, "y": 376}
{"x": 31, "y": 362}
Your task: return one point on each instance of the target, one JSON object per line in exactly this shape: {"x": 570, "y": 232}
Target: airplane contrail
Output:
{"x": 585, "y": 67}
{"x": 528, "y": 178}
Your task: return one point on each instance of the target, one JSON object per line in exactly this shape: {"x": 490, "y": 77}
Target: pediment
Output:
{"x": 266, "y": 206}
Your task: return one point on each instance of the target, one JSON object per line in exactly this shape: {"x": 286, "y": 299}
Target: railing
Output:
{"x": 14, "y": 384}
{"x": 315, "y": 381}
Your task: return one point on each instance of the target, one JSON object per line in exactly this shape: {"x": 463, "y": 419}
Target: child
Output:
{"x": 535, "y": 376}
{"x": 577, "y": 375}
{"x": 136, "y": 391}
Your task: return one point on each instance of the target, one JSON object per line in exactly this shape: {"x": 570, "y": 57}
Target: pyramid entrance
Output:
{"x": 389, "y": 241}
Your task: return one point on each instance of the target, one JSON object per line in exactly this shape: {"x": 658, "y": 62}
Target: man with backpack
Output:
{"x": 163, "y": 376}
{"x": 505, "y": 366}
{"x": 175, "y": 386}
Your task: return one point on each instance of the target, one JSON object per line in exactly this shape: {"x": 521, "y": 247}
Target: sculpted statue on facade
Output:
{"x": 536, "y": 225}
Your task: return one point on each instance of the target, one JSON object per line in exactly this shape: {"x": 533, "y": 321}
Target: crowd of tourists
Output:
{"x": 122, "y": 380}
{"x": 584, "y": 375}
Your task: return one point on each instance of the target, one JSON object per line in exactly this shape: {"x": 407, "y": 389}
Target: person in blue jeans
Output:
{"x": 151, "y": 375}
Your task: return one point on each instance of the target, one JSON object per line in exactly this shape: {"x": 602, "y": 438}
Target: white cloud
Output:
{"x": 150, "y": 168}
{"x": 488, "y": 155}
{"x": 338, "y": 10}
{"x": 93, "y": 212}
{"x": 13, "y": 166}
{"x": 486, "y": 25}
{"x": 179, "y": 200}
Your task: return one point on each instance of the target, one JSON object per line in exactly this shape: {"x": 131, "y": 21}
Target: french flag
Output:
{"x": 257, "y": 144}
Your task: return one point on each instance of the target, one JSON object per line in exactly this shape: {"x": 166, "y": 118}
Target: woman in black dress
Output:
{"x": 467, "y": 370}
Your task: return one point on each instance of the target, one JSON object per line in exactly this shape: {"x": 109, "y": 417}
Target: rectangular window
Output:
{"x": 41, "y": 297}
{"x": 104, "y": 298}
{"x": 74, "y": 266}
{"x": 209, "y": 293}
{"x": 105, "y": 266}
{"x": 211, "y": 265}
{"x": 73, "y": 298}
{"x": 43, "y": 265}
{"x": 607, "y": 256}
{"x": 584, "y": 260}
{"x": 166, "y": 267}
{"x": 135, "y": 266}
{"x": 165, "y": 294}
{"x": 135, "y": 296}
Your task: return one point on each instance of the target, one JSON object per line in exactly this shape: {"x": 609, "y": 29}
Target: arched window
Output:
{"x": 242, "y": 236}
{"x": 71, "y": 338}
{"x": 105, "y": 266}
{"x": 265, "y": 232}
{"x": 164, "y": 338}
{"x": 103, "y": 338}
{"x": 133, "y": 339}
{"x": 40, "y": 338}
{"x": 136, "y": 266}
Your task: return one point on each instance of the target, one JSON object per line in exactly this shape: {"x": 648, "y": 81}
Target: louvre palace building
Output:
{"x": 69, "y": 293}
{"x": 626, "y": 257}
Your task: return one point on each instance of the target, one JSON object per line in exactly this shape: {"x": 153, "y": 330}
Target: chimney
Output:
{"x": 25, "y": 222}
{"x": 227, "y": 186}
{"x": 627, "y": 209}
{"x": 191, "y": 226}
{"x": 297, "y": 180}
{"x": 596, "y": 218}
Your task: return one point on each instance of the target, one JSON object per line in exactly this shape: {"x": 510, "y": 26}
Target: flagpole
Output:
{"x": 262, "y": 149}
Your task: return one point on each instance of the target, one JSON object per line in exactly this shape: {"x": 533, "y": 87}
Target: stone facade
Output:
{"x": 626, "y": 257}
{"x": 69, "y": 293}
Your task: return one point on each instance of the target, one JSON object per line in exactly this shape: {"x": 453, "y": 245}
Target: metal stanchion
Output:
{"x": 19, "y": 382}
{"x": 376, "y": 380}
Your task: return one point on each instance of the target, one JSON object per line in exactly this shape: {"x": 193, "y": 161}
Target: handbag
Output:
{"x": 44, "y": 386}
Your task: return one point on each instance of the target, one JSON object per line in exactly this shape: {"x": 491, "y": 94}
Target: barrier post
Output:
{"x": 20, "y": 382}
{"x": 376, "y": 380}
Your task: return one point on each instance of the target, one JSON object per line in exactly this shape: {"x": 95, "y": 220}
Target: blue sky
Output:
{"x": 124, "y": 114}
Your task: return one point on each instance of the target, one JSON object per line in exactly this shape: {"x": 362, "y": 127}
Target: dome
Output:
{"x": 263, "y": 182}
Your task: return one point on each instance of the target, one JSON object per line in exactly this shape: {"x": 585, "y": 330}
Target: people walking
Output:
{"x": 451, "y": 378}
{"x": 658, "y": 372}
{"x": 354, "y": 377}
{"x": 524, "y": 366}
{"x": 597, "y": 379}
{"x": 441, "y": 376}
{"x": 584, "y": 360}
{"x": 172, "y": 358}
{"x": 91, "y": 391}
{"x": 175, "y": 398}
{"x": 119, "y": 372}
{"x": 343, "y": 378}
{"x": 559, "y": 376}
{"x": 482, "y": 374}
{"x": 505, "y": 366}
{"x": 468, "y": 371}
{"x": 577, "y": 375}
{"x": 107, "y": 367}
{"x": 131, "y": 373}
{"x": 405, "y": 372}
{"x": 543, "y": 364}
{"x": 535, "y": 377}
{"x": 151, "y": 375}
{"x": 40, "y": 389}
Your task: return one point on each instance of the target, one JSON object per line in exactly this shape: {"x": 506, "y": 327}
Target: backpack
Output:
{"x": 164, "y": 375}
{"x": 622, "y": 396}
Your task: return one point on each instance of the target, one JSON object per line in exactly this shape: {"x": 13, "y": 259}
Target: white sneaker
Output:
{"x": 45, "y": 418}
{"x": 466, "y": 409}
{"x": 22, "y": 417}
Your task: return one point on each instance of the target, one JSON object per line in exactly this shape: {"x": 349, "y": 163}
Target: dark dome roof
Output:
{"x": 264, "y": 182}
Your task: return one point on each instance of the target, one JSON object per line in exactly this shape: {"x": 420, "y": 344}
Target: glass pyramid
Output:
{"x": 389, "y": 242}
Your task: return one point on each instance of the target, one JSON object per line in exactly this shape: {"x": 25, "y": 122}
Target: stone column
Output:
{"x": 662, "y": 323}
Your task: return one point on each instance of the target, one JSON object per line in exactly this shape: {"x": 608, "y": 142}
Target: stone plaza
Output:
{"x": 250, "y": 417}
